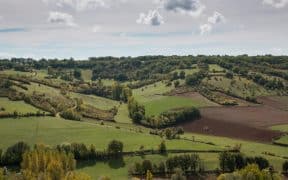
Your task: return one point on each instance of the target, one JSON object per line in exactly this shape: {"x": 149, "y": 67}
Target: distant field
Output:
{"x": 241, "y": 86}
{"x": 96, "y": 101}
{"x": 19, "y": 106}
{"x": 86, "y": 74}
{"x": 53, "y": 131}
{"x": 165, "y": 103}
{"x": 123, "y": 115}
{"x": 283, "y": 128}
{"x": 155, "y": 103}
{"x": 215, "y": 67}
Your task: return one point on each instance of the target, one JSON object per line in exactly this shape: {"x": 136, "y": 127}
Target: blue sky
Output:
{"x": 85, "y": 28}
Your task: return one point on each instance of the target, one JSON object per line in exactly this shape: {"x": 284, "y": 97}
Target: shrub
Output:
{"x": 13, "y": 155}
{"x": 285, "y": 167}
{"x": 115, "y": 147}
{"x": 162, "y": 148}
{"x": 70, "y": 114}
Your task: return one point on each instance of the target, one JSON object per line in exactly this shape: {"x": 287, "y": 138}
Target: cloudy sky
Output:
{"x": 84, "y": 28}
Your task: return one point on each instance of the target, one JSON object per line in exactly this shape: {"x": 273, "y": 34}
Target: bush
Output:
{"x": 285, "y": 167}
{"x": 71, "y": 115}
{"x": 13, "y": 155}
{"x": 162, "y": 148}
{"x": 115, "y": 147}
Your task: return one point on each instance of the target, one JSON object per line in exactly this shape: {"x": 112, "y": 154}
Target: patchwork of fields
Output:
{"x": 256, "y": 125}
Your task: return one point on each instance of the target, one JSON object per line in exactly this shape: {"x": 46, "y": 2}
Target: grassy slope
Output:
{"x": 96, "y": 101}
{"x": 151, "y": 97}
{"x": 54, "y": 131}
{"x": 239, "y": 86}
{"x": 283, "y": 128}
{"x": 123, "y": 114}
{"x": 19, "y": 106}
{"x": 86, "y": 74}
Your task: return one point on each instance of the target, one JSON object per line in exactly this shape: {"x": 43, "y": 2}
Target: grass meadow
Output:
{"x": 19, "y": 106}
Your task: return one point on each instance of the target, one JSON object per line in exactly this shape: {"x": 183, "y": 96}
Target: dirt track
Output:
{"x": 249, "y": 123}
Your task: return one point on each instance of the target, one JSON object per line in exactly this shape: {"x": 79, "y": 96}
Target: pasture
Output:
{"x": 19, "y": 106}
{"x": 53, "y": 131}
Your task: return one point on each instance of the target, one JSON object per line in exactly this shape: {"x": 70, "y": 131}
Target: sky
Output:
{"x": 86, "y": 28}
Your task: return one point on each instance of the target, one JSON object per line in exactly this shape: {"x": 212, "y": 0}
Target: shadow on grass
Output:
{"x": 116, "y": 163}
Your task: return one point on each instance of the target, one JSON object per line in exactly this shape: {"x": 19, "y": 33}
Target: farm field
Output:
{"x": 53, "y": 131}
{"x": 214, "y": 106}
{"x": 155, "y": 102}
{"x": 254, "y": 120}
{"x": 96, "y": 101}
{"x": 18, "y": 106}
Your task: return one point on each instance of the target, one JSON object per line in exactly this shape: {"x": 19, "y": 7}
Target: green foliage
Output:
{"x": 178, "y": 175}
{"x": 196, "y": 78}
{"x": 149, "y": 175}
{"x": 13, "y": 154}
{"x": 77, "y": 73}
{"x": 285, "y": 167}
{"x": 136, "y": 111}
{"x": 162, "y": 148}
{"x": 115, "y": 147}
{"x": 120, "y": 92}
{"x": 250, "y": 172}
{"x": 71, "y": 115}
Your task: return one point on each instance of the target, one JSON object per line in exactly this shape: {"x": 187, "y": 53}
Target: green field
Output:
{"x": 215, "y": 67}
{"x": 96, "y": 101}
{"x": 283, "y": 128}
{"x": 165, "y": 103}
{"x": 53, "y": 131}
{"x": 155, "y": 102}
{"x": 123, "y": 115}
{"x": 19, "y": 106}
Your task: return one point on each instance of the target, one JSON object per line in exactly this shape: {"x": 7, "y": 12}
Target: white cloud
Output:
{"x": 61, "y": 18}
{"x": 216, "y": 18}
{"x": 190, "y": 7}
{"x": 152, "y": 18}
{"x": 276, "y": 3}
{"x": 205, "y": 28}
{"x": 82, "y": 5}
{"x": 96, "y": 28}
{"x": 213, "y": 20}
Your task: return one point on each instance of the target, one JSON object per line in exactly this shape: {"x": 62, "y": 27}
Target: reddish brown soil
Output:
{"x": 278, "y": 102}
{"x": 248, "y": 123}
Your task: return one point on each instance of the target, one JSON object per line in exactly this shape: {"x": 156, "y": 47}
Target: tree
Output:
{"x": 77, "y": 73}
{"x": 176, "y": 84}
{"x": 182, "y": 75}
{"x": 178, "y": 175}
{"x": 149, "y": 175}
{"x": 45, "y": 163}
{"x": 227, "y": 161}
{"x": 147, "y": 165}
{"x": 285, "y": 167}
{"x": 115, "y": 147}
{"x": 162, "y": 148}
{"x": 13, "y": 155}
